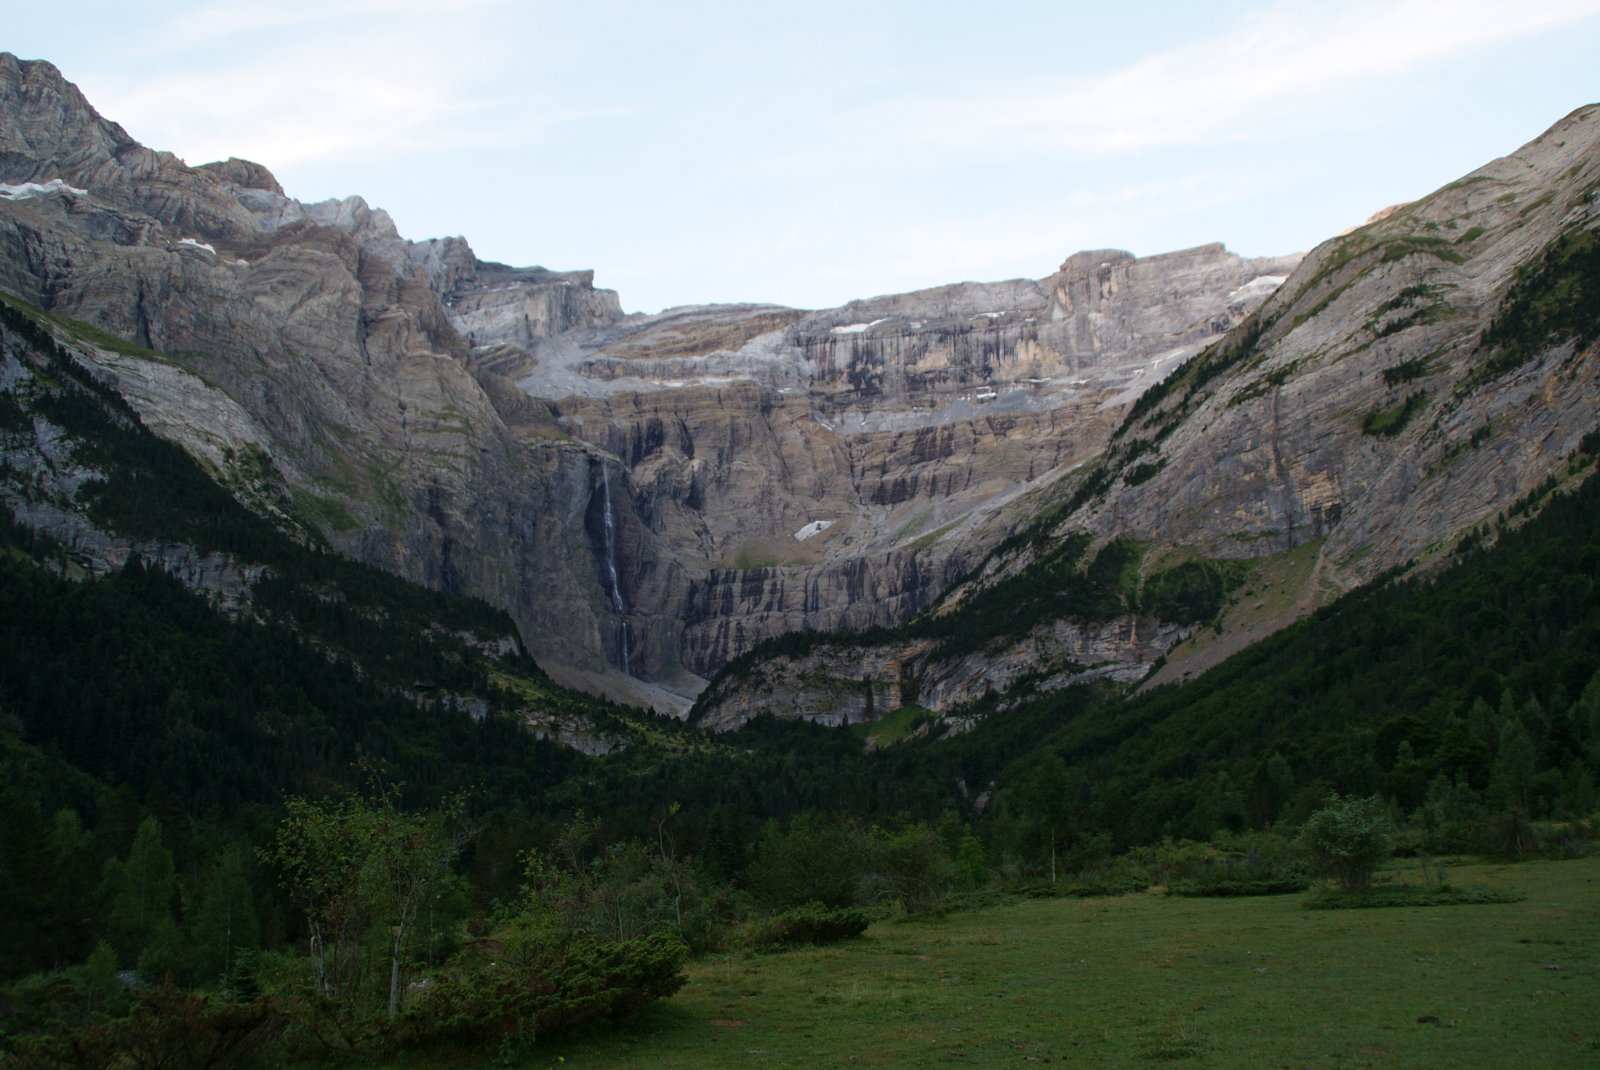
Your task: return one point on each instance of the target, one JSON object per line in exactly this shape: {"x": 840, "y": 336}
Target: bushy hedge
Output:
{"x": 810, "y": 925}
{"x": 557, "y": 991}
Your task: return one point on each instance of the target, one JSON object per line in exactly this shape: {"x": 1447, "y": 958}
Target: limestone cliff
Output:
{"x": 839, "y": 469}
{"x": 1369, "y": 402}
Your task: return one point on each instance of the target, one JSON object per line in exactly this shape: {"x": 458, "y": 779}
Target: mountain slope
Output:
{"x": 1406, "y": 383}
{"x": 157, "y": 632}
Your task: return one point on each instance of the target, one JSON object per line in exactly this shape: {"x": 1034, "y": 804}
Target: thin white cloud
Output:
{"x": 304, "y": 82}
{"x": 1244, "y": 85}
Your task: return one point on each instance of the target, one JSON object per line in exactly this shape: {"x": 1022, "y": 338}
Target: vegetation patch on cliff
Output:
{"x": 1392, "y": 419}
{"x": 1553, "y": 299}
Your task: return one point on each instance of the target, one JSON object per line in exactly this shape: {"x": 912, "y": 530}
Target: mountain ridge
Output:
{"x": 466, "y": 424}
{"x": 652, "y": 496}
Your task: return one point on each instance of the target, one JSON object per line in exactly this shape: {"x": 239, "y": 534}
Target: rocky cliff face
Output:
{"x": 1407, "y": 383}
{"x": 651, "y": 496}
{"x": 647, "y": 495}
{"x": 1370, "y": 402}
{"x": 845, "y": 682}
{"x": 839, "y": 469}
{"x": 329, "y": 334}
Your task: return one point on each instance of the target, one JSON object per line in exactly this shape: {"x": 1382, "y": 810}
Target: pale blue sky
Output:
{"x": 811, "y": 153}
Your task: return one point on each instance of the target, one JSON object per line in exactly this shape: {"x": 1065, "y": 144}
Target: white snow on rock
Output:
{"x": 38, "y": 189}
{"x": 1257, "y": 287}
{"x": 813, "y": 528}
{"x": 198, "y": 245}
{"x": 857, "y": 328}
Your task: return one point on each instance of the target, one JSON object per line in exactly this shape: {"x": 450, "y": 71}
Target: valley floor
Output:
{"x": 1145, "y": 979}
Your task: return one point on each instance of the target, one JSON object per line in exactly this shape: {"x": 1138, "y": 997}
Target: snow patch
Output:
{"x": 679, "y": 384}
{"x": 813, "y": 528}
{"x": 1259, "y": 286}
{"x": 198, "y": 245}
{"x": 23, "y": 191}
{"x": 856, "y": 328}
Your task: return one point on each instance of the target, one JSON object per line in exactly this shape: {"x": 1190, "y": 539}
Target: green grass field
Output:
{"x": 1145, "y": 979}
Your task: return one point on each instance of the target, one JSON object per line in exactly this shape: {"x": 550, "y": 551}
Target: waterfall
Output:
{"x": 618, "y": 606}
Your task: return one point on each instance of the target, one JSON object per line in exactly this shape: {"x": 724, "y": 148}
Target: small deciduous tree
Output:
{"x": 912, "y": 866}
{"x": 1348, "y": 839}
{"x": 357, "y": 868}
{"x": 818, "y": 858}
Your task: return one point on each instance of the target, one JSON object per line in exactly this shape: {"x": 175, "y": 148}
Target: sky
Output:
{"x": 815, "y": 152}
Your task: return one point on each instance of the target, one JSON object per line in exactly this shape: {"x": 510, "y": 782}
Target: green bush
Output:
{"x": 816, "y": 924}
{"x": 912, "y": 867}
{"x": 1218, "y": 887}
{"x": 561, "y": 988}
{"x": 819, "y": 858}
{"x": 1391, "y": 420}
{"x": 1348, "y": 839}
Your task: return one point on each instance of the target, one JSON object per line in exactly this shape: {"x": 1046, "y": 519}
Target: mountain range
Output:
{"x": 922, "y": 486}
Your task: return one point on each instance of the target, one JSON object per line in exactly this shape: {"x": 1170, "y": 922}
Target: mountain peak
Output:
{"x": 48, "y": 129}
{"x": 245, "y": 174}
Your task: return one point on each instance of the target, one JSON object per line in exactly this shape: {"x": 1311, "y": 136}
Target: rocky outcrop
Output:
{"x": 651, "y": 496}
{"x": 841, "y": 682}
{"x": 326, "y": 334}
{"x": 43, "y": 479}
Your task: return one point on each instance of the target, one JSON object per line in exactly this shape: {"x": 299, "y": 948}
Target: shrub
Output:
{"x": 818, "y": 858}
{"x": 912, "y": 866}
{"x": 1348, "y": 839}
{"x": 815, "y": 924}
{"x": 562, "y": 988}
{"x": 1411, "y": 895}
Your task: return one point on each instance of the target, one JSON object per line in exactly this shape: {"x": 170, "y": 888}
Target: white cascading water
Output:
{"x": 617, "y": 604}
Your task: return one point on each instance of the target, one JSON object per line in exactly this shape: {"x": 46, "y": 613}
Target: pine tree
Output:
{"x": 68, "y": 911}
{"x": 225, "y": 923}
{"x": 103, "y": 992}
{"x": 141, "y": 892}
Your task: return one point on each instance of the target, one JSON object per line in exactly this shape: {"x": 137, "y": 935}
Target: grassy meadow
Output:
{"x": 1148, "y": 979}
